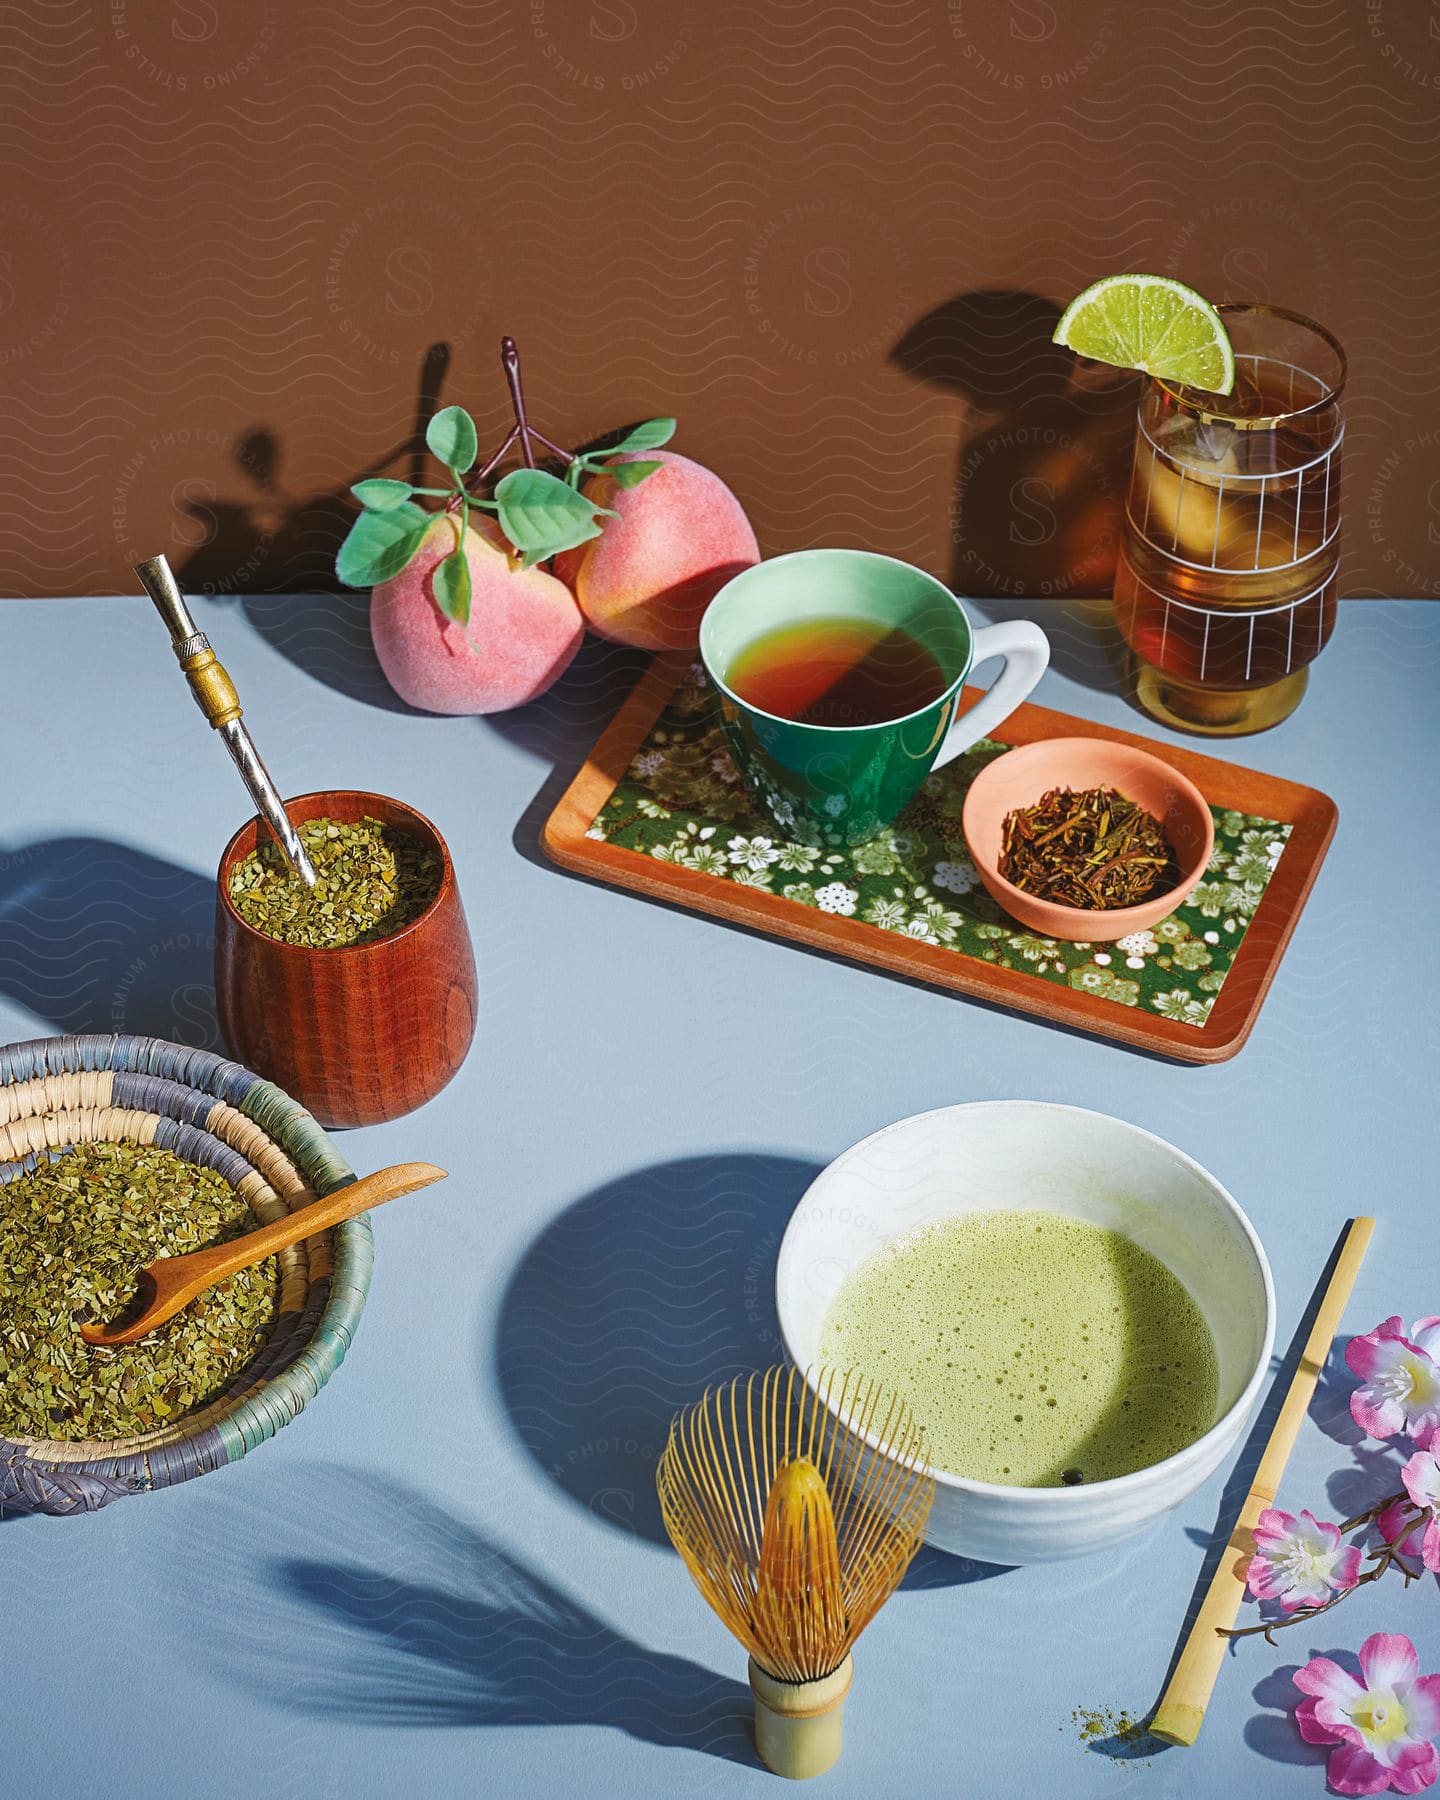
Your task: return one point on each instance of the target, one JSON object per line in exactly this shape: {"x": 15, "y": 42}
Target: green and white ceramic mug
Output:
{"x": 835, "y": 786}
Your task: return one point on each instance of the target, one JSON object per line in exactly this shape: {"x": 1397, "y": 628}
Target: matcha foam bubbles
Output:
{"x": 1030, "y": 1345}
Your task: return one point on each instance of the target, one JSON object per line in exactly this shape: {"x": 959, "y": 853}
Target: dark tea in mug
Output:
{"x": 836, "y": 671}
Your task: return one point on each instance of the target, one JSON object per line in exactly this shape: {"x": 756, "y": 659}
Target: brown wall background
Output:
{"x": 831, "y": 238}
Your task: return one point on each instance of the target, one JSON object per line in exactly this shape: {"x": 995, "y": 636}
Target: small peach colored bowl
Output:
{"x": 1023, "y": 776}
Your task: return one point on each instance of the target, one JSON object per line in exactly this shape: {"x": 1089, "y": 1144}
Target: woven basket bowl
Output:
{"x": 62, "y": 1091}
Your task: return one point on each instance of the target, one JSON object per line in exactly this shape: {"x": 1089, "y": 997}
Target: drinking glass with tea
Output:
{"x": 1225, "y": 589}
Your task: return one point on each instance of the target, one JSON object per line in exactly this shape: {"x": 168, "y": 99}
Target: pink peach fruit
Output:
{"x": 651, "y": 573}
{"x": 524, "y": 627}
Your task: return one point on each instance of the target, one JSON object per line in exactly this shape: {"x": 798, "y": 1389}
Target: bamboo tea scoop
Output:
{"x": 1181, "y": 1711}
{"x": 166, "y": 1285}
{"x": 215, "y": 695}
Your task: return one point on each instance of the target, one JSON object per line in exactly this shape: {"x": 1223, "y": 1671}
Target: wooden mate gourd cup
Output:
{"x": 796, "y": 1532}
{"x": 361, "y": 1034}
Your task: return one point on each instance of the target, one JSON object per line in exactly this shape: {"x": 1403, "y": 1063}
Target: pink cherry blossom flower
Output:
{"x": 1300, "y": 1562}
{"x": 1421, "y": 1476}
{"x": 1400, "y": 1379}
{"x": 1381, "y": 1723}
{"x": 1397, "y": 1522}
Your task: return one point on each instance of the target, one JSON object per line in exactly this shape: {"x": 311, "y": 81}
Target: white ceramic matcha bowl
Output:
{"x": 1021, "y": 1155}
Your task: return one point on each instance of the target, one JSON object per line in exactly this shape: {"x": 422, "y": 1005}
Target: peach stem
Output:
{"x": 522, "y": 429}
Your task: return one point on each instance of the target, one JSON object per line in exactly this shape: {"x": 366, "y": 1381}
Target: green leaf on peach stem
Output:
{"x": 381, "y": 495}
{"x": 529, "y": 558}
{"x": 631, "y": 474}
{"x": 452, "y": 439}
{"x": 539, "y": 512}
{"x": 380, "y": 544}
{"x": 452, "y": 587}
{"x": 649, "y": 436}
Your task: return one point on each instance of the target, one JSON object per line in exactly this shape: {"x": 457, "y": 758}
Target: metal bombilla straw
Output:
{"x": 216, "y": 697}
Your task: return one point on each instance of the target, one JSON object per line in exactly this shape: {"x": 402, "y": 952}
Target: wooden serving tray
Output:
{"x": 573, "y": 837}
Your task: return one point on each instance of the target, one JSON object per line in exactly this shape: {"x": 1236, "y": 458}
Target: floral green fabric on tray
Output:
{"x": 683, "y": 801}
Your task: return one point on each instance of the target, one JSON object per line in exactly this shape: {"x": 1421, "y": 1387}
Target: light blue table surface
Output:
{"x": 448, "y": 1577}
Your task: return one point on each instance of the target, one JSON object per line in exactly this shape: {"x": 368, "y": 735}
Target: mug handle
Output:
{"x": 1026, "y": 650}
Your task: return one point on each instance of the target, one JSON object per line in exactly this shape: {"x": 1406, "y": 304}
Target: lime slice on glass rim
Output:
{"x": 1154, "y": 324}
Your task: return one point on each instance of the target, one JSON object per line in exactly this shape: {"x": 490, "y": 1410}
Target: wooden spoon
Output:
{"x": 166, "y": 1285}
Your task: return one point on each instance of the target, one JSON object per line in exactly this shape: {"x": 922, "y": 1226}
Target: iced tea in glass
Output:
{"x": 1225, "y": 586}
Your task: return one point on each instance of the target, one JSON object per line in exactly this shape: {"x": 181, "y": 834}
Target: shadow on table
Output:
{"x": 629, "y": 1305}
{"x": 1273, "y": 1734}
{"x": 1374, "y": 1475}
{"x": 97, "y": 936}
{"x": 1374, "y": 1468}
{"x": 1330, "y": 1409}
{"x": 938, "y": 1569}
{"x": 394, "y": 1611}
{"x": 327, "y": 636}
{"x": 563, "y": 727}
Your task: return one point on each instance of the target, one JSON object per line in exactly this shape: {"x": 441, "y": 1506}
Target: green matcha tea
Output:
{"x": 1035, "y": 1348}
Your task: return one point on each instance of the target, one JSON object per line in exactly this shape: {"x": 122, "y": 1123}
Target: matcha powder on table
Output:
{"x": 74, "y": 1234}
{"x": 371, "y": 880}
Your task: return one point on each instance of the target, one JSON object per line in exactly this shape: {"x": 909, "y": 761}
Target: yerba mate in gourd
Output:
{"x": 372, "y": 880}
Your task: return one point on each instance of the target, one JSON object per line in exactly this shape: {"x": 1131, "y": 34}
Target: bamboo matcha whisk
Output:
{"x": 797, "y": 1533}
